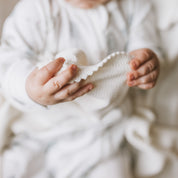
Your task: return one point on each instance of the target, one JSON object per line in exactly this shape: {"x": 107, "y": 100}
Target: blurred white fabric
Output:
{"x": 164, "y": 97}
{"x": 5, "y": 8}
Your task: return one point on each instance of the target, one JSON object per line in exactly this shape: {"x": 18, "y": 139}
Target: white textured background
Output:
{"x": 5, "y": 8}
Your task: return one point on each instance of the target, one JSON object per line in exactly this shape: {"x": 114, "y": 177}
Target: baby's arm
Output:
{"x": 24, "y": 42}
{"x": 144, "y": 47}
{"x": 46, "y": 88}
{"x": 145, "y": 69}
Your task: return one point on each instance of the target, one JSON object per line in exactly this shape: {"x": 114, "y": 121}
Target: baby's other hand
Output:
{"x": 145, "y": 69}
{"x": 46, "y": 87}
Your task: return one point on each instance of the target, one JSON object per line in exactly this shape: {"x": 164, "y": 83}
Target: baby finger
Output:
{"x": 151, "y": 77}
{"x": 61, "y": 80}
{"x": 147, "y": 86}
{"x": 67, "y": 91}
{"x": 85, "y": 89}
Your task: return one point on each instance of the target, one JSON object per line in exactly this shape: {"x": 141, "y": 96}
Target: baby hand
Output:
{"x": 46, "y": 88}
{"x": 145, "y": 69}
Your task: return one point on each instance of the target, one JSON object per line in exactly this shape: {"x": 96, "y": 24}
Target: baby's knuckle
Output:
{"x": 148, "y": 51}
{"x": 68, "y": 93}
{"x": 60, "y": 96}
{"x": 63, "y": 95}
{"x": 57, "y": 98}
{"x": 46, "y": 70}
{"x": 151, "y": 77}
{"x": 146, "y": 70}
{"x": 144, "y": 80}
{"x": 75, "y": 85}
{"x": 57, "y": 84}
{"x": 150, "y": 67}
{"x": 79, "y": 84}
{"x": 146, "y": 54}
{"x": 137, "y": 74}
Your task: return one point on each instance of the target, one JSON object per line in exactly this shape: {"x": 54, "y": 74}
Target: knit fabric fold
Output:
{"x": 101, "y": 136}
{"x": 109, "y": 75}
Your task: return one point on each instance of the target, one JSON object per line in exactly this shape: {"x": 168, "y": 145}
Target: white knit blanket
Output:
{"x": 98, "y": 133}
{"x": 100, "y": 137}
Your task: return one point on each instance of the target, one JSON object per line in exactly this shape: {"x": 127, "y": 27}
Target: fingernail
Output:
{"x": 61, "y": 59}
{"x": 134, "y": 64}
{"x": 132, "y": 77}
{"x": 131, "y": 83}
{"x": 74, "y": 67}
{"x": 91, "y": 87}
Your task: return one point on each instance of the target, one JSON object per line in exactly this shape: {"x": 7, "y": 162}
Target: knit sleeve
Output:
{"x": 22, "y": 40}
{"x": 143, "y": 31}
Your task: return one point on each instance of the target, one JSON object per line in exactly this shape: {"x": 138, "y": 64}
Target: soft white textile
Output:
{"x": 38, "y": 30}
{"x": 164, "y": 97}
{"x": 100, "y": 136}
{"x": 166, "y": 91}
{"x": 166, "y": 13}
{"x": 168, "y": 26}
